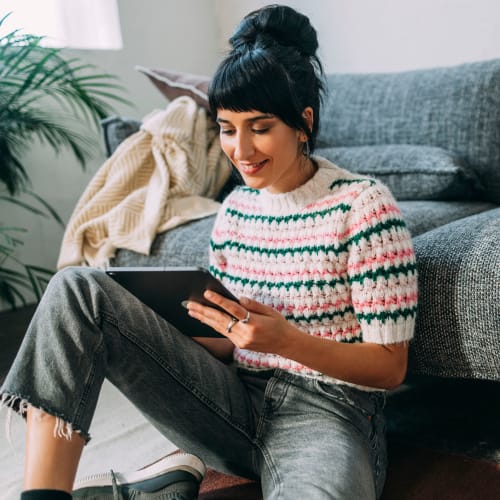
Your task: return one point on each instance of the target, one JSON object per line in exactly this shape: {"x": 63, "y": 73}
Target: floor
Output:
{"x": 451, "y": 451}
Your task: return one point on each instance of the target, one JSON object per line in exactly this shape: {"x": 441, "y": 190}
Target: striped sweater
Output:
{"x": 333, "y": 256}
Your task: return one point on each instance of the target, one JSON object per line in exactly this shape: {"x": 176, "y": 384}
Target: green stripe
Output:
{"x": 341, "y": 182}
{"x": 241, "y": 247}
{"x": 309, "y": 284}
{"x": 246, "y": 189}
{"x": 385, "y": 272}
{"x": 287, "y": 285}
{"x": 385, "y": 315}
{"x": 343, "y": 207}
{"x": 378, "y": 228}
{"x": 321, "y": 317}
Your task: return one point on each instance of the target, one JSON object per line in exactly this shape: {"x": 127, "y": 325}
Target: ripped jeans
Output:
{"x": 301, "y": 437}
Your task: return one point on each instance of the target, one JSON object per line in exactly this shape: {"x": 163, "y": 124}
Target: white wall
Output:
{"x": 190, "y": 35}
{"x": 390, "y": 35}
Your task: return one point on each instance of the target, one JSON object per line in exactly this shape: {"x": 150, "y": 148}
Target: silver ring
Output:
{"x": 246, "y": 319}
{"x": 230, "y": 325}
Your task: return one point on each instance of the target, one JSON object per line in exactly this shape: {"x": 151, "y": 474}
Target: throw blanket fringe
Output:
{"x": 166, "y": 174}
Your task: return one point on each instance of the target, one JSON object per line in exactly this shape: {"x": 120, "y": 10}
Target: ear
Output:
{"x": 308, "y": 115}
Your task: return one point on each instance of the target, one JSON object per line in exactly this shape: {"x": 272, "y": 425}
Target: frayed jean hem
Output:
{"x": 14, "y": 403}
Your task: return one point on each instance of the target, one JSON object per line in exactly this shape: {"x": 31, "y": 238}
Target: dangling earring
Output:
{"x": 306, "y": 150}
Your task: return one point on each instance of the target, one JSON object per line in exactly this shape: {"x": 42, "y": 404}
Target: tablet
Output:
{"x": 164, "y": 289}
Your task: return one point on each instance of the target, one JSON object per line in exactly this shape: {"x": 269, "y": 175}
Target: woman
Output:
{"x": 326, "y": 274}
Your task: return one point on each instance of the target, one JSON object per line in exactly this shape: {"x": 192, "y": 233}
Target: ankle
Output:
{"x": 45, "y": 495}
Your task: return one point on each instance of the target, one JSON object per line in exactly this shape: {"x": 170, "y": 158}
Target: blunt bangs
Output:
{"x": 251, "y": 82}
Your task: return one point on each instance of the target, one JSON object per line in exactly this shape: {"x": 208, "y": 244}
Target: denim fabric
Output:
{"x": 303, "y": 438}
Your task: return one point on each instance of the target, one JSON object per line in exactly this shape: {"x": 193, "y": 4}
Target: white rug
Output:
{"x": 122, "y": 439}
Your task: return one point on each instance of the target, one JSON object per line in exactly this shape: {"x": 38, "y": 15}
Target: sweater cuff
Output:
{"x": 389, "y": 331}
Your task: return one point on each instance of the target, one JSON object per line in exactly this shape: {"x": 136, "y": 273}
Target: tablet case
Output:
{"x": 164, "y": 289}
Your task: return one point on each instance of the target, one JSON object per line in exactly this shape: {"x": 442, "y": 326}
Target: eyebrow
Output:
{"x": 253, "y": 119}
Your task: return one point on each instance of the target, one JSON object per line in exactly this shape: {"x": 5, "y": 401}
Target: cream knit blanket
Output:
{"x": 160, "y": 177}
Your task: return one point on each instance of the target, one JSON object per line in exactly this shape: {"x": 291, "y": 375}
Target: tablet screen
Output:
{"x": 164, "y": 289}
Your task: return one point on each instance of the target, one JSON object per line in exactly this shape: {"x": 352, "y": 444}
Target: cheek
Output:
{"x": 225, "y": 146}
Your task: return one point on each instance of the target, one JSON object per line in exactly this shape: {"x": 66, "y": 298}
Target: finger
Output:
{"x": 214, "y": 318}
{"x": 220, "y": 321}
{"x": 230, "y": 306}
{"x": 254, "y": 306}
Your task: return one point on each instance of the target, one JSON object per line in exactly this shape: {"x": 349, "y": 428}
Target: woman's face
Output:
{"x": 266, "y": 151}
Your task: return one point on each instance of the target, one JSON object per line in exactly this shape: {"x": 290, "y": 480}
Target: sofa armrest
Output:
{"x": 458, "y": 318}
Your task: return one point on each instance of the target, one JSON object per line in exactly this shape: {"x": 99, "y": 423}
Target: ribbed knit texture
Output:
{"x": 333, "y": 256}
{"x": 164, "y": 175}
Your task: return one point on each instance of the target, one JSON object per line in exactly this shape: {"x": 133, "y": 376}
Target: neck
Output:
{"x": 307, "y": 168}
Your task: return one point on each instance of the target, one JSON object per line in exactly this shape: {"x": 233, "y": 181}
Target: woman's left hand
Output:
{"x": 247, "y": 324}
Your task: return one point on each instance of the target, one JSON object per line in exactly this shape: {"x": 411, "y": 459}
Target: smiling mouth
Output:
{"x": 251, "y": 168}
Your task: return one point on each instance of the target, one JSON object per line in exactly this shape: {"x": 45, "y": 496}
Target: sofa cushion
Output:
{"x": 423, "y": 216}
{"x": 185, "y": 245}
{"x": 456, "y": 108}
{"x": 115, "y": 130}
{"x": 173, "y": 84}
{"x": 411, "y": 172}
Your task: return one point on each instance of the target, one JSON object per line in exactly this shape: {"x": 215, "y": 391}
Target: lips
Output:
{"x": 251, "y": 168}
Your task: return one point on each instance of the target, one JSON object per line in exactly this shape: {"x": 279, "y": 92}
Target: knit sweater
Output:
{"x": 333, "y": 256}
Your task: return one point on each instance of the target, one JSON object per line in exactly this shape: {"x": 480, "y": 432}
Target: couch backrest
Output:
{"x": 454, "y": 108}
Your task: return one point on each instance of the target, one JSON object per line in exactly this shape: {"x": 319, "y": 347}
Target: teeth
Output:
{"x": 251, "y": 165}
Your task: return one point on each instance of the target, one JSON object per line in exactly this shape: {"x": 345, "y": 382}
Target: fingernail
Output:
{"x": 185, "y": 303}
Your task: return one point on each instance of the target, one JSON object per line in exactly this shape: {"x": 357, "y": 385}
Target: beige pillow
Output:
{"x": 173, "y": 84}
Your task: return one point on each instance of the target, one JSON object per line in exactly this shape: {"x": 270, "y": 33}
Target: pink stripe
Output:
{"x": 246, "y": 207}
{"x": 248, "y": 272}
{"x": 397, "y": 300}
{"x": 366, "y": 220}
{"x": 388, "y": 258}
{"x": 329, "y": 236}
{"x": 278, "y": 242}
{"x": 315, "y": 307}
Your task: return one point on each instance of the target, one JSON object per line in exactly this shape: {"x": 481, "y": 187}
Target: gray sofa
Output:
{"x": 433, "y": 136}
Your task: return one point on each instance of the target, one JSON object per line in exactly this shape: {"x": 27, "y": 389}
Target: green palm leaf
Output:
{"x": 73, "y": 92}
{"x": 58, "y": 101}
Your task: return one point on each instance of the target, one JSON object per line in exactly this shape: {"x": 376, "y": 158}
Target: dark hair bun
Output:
{"x": 276, "y": 24}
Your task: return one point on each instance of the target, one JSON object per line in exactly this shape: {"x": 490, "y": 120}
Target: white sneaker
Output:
{"x": 179, "y": 473}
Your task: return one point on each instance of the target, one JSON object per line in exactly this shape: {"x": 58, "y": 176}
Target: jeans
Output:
{"x": 303, "y": 438}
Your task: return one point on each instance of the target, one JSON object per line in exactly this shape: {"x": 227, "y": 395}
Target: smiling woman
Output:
{"x": 265, "y": 151}
{"x": 323, "y": 268}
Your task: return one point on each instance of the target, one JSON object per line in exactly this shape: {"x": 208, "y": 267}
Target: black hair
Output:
{"x": 273, "y": 68}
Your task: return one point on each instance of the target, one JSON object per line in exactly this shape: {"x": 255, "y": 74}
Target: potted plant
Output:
{"x": 43, "y": 96}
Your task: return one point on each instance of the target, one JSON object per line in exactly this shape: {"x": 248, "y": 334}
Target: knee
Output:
{"x": 68, "y": 276}
{"x": 73, "y": 282}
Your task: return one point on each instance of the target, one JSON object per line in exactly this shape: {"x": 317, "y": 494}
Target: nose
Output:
{"x": 243, "y": 147}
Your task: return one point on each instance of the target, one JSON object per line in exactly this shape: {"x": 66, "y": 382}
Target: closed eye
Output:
{"x": 260, "y": 130}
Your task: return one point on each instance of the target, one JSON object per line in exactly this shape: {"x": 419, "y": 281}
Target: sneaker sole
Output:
{"x": 170, "y": 463}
